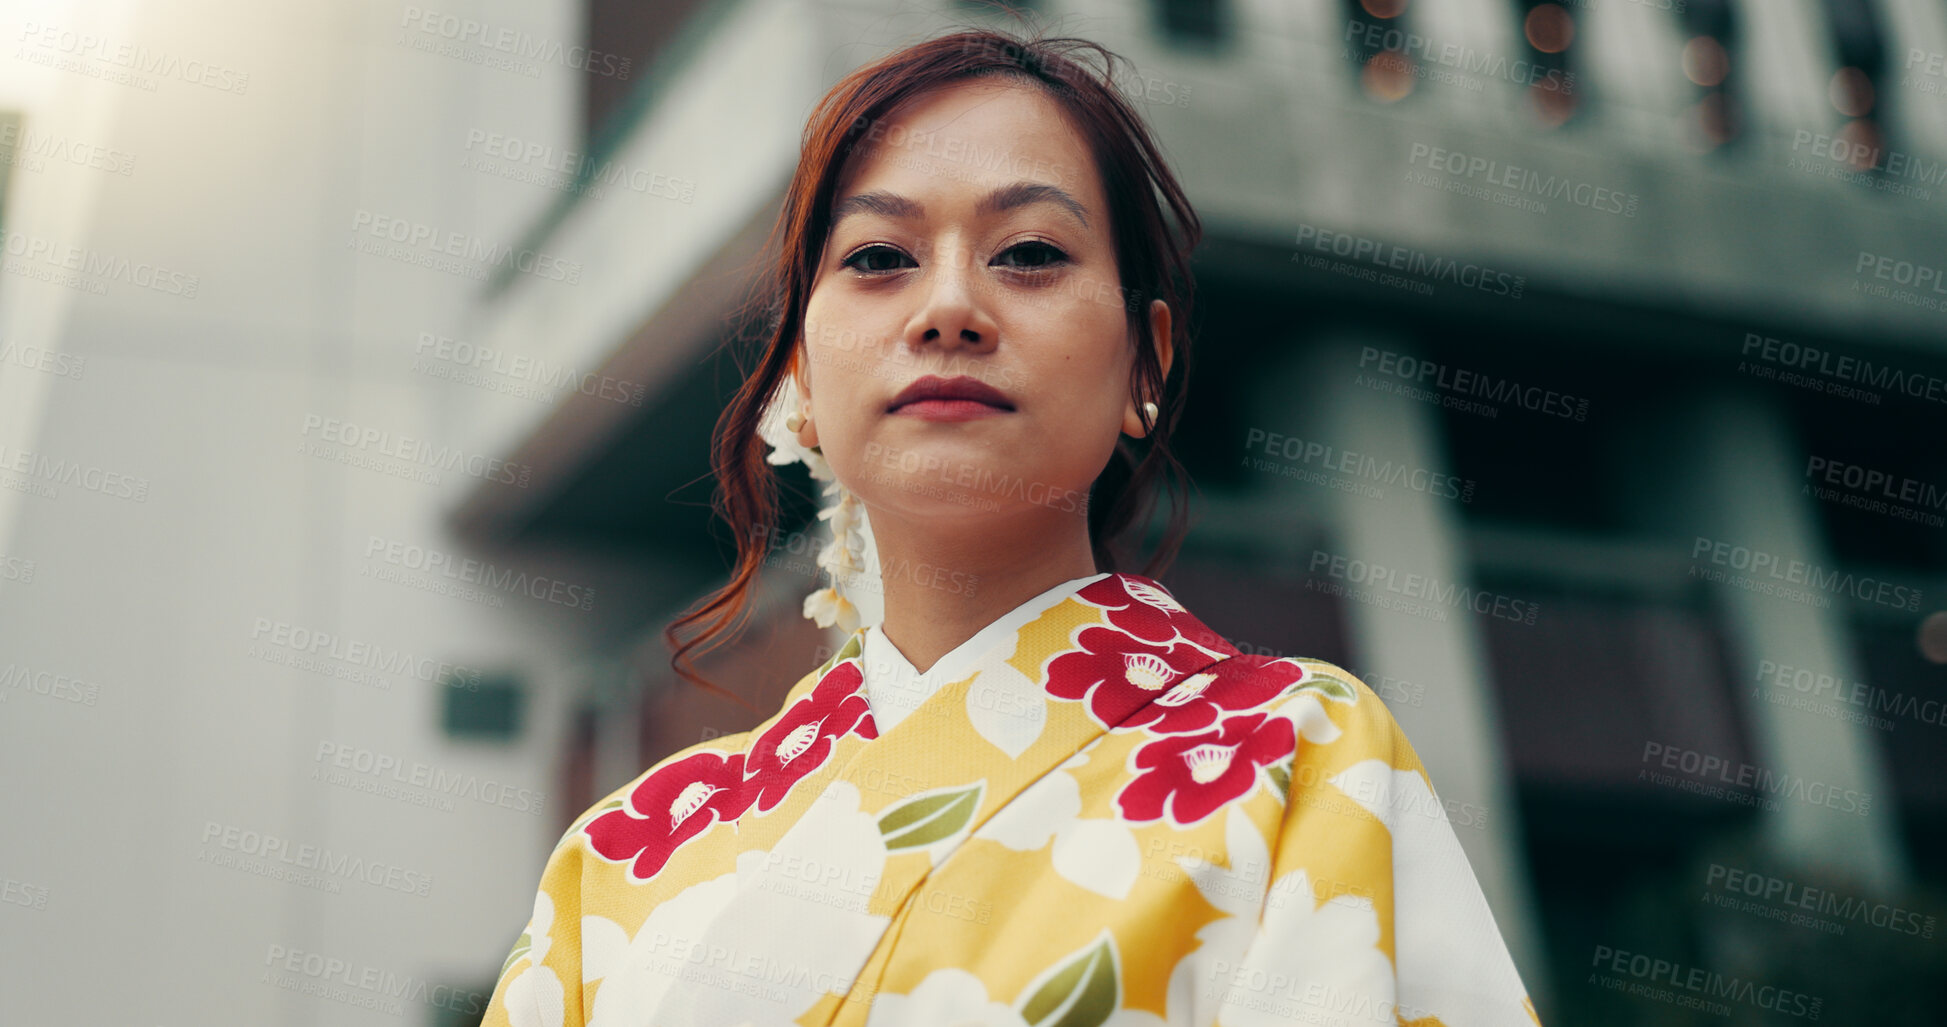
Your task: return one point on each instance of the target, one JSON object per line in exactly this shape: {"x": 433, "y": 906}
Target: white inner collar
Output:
{"x": 894, "y": 689}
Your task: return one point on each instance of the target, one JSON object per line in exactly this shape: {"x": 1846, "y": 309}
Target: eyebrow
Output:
{"x": 1021, "y": 194}
{"x": 1005, "y": 198}
{"x": 884, "y": 204}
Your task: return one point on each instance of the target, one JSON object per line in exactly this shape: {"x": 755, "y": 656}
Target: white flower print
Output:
{"x": 635, "y": 986}
{"x": 948, "y": 997}
{"x": 1238, "y": 890}
{"x": 1006, "y": 706}
{"x": 1098, "y": 854}
{"x": 798, "y": 926}
{"x": 1312, "y": 963}
{"x": 1435, "y": 910}
{"x": 535, "y": 998}
{"x": 604, "y": 944}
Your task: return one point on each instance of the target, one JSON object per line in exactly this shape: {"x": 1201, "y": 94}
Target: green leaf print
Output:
{"x": 850, "y": 649}
{"x": 1081, "y": 991}
{"x": 1280, "y": 774}
{"x": 582, "y": 821}
{"x": 930, "y": 817}
{"x": 1326, "y": 685}
{"x": 521, "y": 948}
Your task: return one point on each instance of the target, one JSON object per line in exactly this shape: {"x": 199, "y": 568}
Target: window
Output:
{"x": 483, "y": 707}
{"x": 1194, "y": 21}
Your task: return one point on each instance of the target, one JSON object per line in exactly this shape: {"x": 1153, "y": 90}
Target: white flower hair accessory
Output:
{"x": 850, "y": 558}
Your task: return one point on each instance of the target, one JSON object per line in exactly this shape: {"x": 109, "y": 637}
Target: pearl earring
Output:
{"x": 794, "y": 422}
{"x": 1150, "y": 409}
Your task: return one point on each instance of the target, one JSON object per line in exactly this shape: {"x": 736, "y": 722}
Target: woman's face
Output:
{"x": 970, "y": 241}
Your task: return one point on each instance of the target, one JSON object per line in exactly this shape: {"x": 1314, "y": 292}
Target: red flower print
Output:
{"x": 1137, "y": 605}
{"x": 1198, "y": 701}
{"x": 672, "y": 805}
{"x": 1118, "y": 674}
{"x": 801, "y": 740}
{"x": 1188, "y": 777}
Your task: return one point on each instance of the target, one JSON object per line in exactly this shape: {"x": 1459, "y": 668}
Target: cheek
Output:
{"x": 1086, "y": 355}
{"x": 827, "y": 352}
{"x": 817, "y": 332}
{"x": 845, "y": 339}
{"x": 837, "y": 391}
{"x": 1083, "y": 391}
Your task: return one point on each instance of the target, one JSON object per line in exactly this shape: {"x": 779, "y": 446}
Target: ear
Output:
{"x": 1160, "y": 324}
{"x": 808, "y": 435}
{"x": 1161, "y": 321}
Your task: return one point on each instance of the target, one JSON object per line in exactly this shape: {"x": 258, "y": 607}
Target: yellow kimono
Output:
{"x": 1111, "y": 818}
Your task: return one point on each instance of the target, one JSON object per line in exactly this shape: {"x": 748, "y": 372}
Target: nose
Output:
{"x": 952, "y": 313}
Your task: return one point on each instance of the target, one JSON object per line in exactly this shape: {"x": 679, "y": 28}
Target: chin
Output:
{"x": 931, "y": 494}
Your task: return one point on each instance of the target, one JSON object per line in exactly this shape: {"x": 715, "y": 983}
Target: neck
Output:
{"x": 927, "y": 571}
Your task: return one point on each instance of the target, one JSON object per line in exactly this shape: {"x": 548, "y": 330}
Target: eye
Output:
{"x": 1033, "y": 255}
{"x": 877, "y": 259}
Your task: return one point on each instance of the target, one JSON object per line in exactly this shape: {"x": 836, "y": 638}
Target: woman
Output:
{"x": 1038, "y": 792}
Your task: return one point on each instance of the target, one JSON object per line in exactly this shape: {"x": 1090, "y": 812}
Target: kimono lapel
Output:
{"x": 1082, "y": 667}
{"x": 835, "y": 827}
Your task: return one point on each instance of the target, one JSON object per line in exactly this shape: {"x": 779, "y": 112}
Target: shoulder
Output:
{"x": 1328, "y": 705}
{"x": 1295, "y": 675}
{"x": 705, "y": 760}
{"x": 636, "y": 796}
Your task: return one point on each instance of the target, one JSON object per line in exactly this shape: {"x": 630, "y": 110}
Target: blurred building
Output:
{"x": 1571, "y": 372}
{"x": 1503, "y": 376}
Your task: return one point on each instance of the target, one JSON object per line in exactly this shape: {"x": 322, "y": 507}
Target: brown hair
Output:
{"x": 1153, "y": 228}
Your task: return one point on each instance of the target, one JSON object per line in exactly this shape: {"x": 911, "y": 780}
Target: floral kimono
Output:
{"x": 1112, "y": 817}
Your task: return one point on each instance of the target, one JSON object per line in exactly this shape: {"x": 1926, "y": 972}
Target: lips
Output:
{"x": 963, "y": 387}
